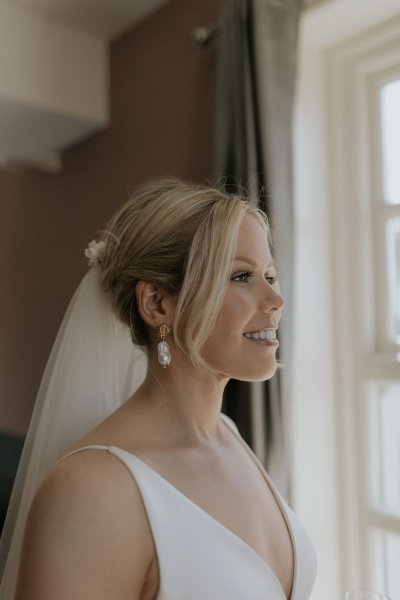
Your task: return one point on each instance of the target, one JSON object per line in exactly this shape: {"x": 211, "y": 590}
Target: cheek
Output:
{"x": 234, "y": 315}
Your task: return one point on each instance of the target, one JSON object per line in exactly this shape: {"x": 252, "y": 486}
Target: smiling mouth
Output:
{"x": 265, "y": 334}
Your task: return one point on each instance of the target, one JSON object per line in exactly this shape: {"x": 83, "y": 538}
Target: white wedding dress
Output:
{"x": 201, "y": 559}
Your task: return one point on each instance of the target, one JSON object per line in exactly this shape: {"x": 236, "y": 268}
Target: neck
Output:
{"x": 183, "y": 399}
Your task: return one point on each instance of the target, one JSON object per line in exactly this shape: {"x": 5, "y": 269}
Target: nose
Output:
{"x": 273, "y": 300}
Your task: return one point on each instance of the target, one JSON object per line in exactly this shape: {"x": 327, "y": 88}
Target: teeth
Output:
{"x": 266, "y": 334}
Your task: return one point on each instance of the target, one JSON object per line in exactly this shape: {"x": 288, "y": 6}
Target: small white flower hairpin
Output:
{"x": 95, "y": 252}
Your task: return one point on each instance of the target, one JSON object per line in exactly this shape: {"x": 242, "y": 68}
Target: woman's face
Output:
{"x": 252, "y": 304}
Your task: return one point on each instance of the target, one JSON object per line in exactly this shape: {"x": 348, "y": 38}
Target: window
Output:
{"x": 366, "y": 156}
{"x": 385, "y": 149}
{"x": 384, "y": 447}
{"x": 390, "y": 128}
{"x": 346, "y": 353}
{"x": 382, "y": 438}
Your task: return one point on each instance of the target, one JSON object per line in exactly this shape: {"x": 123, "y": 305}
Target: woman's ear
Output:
{"x": 155, "y": 305}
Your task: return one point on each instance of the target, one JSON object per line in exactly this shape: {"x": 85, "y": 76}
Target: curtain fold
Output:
{"x": 255, "y": 83}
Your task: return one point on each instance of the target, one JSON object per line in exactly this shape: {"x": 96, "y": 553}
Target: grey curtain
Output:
{"x": 256, "y": 72}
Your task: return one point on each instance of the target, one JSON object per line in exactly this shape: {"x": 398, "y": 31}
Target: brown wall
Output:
{"x": 161, "y": 123}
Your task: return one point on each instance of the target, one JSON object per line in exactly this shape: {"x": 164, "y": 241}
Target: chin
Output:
{"x": 255, "y": 371}
{"x": 267, "y": 372}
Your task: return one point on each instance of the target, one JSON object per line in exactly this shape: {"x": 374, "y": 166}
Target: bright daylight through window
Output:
{"x": 390, "y": 123}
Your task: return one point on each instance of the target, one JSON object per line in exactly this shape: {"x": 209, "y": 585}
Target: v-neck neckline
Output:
{"x": 267, "y": 568}
{"x": 279, "y": 502}
{"x": 226, "y": 529}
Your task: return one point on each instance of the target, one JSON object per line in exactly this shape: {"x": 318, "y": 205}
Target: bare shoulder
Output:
{"x": 87, "y": 533}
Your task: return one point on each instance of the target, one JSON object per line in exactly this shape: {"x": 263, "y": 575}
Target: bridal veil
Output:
{"x": 93, "y": 368}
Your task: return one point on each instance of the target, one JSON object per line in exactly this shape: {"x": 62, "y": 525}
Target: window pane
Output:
{"x": 393, "y": 265}
{"x": 385, "y": 562}
{"x": 390, "y": 119}
{"x": 385, "y": 447}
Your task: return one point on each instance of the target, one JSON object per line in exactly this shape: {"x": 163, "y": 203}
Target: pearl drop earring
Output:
{"x": 164, "y": 354}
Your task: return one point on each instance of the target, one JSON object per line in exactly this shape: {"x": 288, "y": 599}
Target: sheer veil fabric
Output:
{"x": 93, "y": 368}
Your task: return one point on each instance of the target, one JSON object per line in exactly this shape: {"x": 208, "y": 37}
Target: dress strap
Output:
{"x": 231, "y": 424}
{"x": 92, "y": 447}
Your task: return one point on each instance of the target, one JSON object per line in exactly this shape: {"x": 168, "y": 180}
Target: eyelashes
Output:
{"x": 244, "y": 276}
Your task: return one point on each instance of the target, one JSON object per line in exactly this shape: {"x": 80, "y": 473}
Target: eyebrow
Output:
{"x": 249, "y": 261}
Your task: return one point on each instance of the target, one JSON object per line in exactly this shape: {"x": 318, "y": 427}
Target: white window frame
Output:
{"x": 334, "y": 353}
{"x": 357, "y": 70}
{"x": 382, "y": 211}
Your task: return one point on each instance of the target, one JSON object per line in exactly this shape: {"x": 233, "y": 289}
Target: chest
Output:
{"x": 235, "y": 493}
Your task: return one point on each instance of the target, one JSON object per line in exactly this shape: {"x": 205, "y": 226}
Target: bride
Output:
{"x": 162, "y": 498}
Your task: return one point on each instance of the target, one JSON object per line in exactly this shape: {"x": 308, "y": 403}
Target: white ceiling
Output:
{"x": 54, "y": 73}
{"x": 105, "y": 18}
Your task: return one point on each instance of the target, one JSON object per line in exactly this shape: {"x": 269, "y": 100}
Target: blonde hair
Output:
{"x": 181, "y": 237}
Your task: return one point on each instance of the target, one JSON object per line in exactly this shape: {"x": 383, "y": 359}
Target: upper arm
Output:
{"x": 87, "y": 535}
